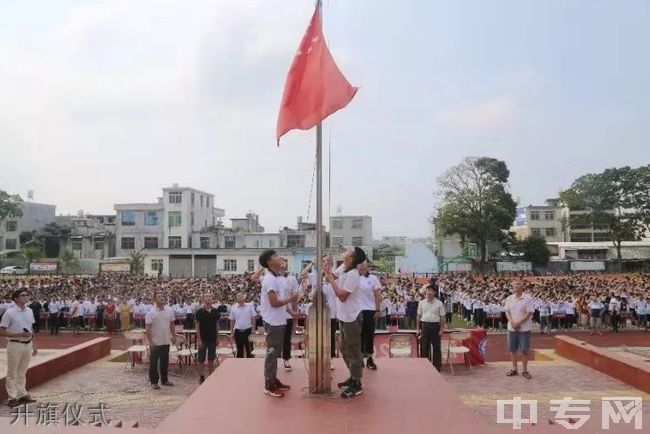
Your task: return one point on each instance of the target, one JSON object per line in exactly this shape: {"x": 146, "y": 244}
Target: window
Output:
{"x": 337, "y": 241}
{"x": 580, "y": 238}
{"x": 189, "y": 241}
{"x": 601, "y": 227}
{"x": 174, "y": 242}
{"x": 230, "y": 265}
{"x": 337, "y": 224}
{"x": 207, "y": 201}
{"x": 549, "y": 215}
{"x": 10, "y": 244}
{"x": 151, "y": 218}
{"x": 157, "y": 265}
{"x": 534, "y": 215}
{"x": 229, "y": 241}
{"x": 251, "y": 265}
{"x": 296, "y": 240}
{"x": 536, "y": 231}
{"x": 357, "y": 223}
{"x": 201, "y": 201}
{"x": 174, "y": 219}
{"x": 150, "y": 242}
{"x": 357, "y": 241}
{"x": 602, "y": 237}
{"x": 192, "y": 200}
{"x": 128, "y": 218}
{"x": 550, "y": 232}
{"x": 271, "y": 243}
{"x": 99, "y": 245}
{"x": 192, "y": 219}
{"x": 12, "y": 226}
{"x": 581, "y": 226}
{"x": 127, "y": 243}
{"x": 175, "y": 196}
{"x": 205, "y": 242}
{"x": 76, "y": 245}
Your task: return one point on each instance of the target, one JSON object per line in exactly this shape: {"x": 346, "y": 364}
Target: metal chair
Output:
{"x": 400, "y": 345}
{"x": 455, "y": 346}
{"x": 137, "y": 344}
{"x": 183, "y": 352}
{"x": 259, "y": 345}
{"x": 228, "y": 350}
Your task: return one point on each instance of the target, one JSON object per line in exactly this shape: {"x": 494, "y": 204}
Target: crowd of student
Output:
{"x": 121, "y": 302}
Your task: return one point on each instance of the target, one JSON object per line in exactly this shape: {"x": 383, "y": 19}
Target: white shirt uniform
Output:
{"x": 368, "y": 285}
{"x": 160, "y": 321}
{"x": 349, "y": 310}
{"x": 274, "y": 316}
{"x": 16, "y": 319}
{"x": 243, "y": 315}
{"x": 431, "y": 311}
{"x": 328, "y": 291}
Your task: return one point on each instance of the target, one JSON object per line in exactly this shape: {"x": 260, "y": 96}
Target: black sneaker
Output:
{"x": 371, "y": 364}
{"x": 201, "y": 379}
{"x": 345, "y": 383}
{"x": 280, "y": 386}
{"x": 168, "y": 383}
{"x": 352, "y": 390}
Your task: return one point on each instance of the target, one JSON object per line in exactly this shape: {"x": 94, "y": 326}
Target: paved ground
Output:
{"x": 125, "y": 392}
{"x": 553, "y": 379}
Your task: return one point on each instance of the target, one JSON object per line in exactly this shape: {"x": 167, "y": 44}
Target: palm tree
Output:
{"x": 28, "y": 254}
{"x": 136, "y": 260}
{"x": 68, "y": 262}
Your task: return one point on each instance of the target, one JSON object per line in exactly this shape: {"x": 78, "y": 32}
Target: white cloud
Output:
{"x": 485, "y": 114}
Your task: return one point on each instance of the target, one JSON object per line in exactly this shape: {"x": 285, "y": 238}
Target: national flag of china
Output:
{"x": 315, "y": 87}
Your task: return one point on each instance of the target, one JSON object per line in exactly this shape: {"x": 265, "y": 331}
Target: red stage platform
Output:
{"x": 404, "y": 395}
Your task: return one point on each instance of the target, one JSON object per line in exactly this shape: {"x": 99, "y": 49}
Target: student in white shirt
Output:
{"x": 290, "y": 286}
{"x": 370, "y": 312}
{"x": 274, "y": 314}
{"x": 615, "y": 310}
{"x": 77, "y": 315}
{"x": 348, "y": 310}
{"x": 596, "y": 309}
{"x": 242, "y": 316}
{"x": 17, "y": 326}
{"x": 161, "y": 333}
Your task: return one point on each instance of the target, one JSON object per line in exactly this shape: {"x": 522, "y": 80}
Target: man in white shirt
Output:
{"x": 54, "y": 308}
{"x": 519, "y": 310}
{"x": 614, "y": 311}
{"x": 290, "y": 286}
{"x": 242, "y": 317}
{"x": 17, "y": 326}
{"x": 348, "y": 310}
{"x": 370, "y": 310}
{"x": 431, "y": 315}
{"x": 274, "y": 314}
{"x": 77, "y": 315}
{"x": 160, "y": 330}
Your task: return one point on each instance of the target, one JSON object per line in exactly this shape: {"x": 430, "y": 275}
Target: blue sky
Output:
{"x": 108, "y": 101}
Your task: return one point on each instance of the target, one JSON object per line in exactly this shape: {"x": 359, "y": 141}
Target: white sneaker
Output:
{"x": 287, "y": 366}
{"x": 332, "y": 367}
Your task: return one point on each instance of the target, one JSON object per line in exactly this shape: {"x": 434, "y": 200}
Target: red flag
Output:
{"x": 315, "y": 87}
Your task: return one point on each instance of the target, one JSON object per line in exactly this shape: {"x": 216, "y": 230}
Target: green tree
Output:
{"x": 10, "y": 205}
{"x": 383, "y": 257}
{"x": 29, "y": 254}
{"x": 641, "y": 197}
{"x": 608, "y": 202}
{"x": 534, "y": 249}
{"x": 136, "y": 260}
{"x": 475, "y": 202}
{"x": 68, "y": 262}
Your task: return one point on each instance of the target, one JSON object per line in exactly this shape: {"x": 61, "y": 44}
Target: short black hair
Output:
{"x": 16, "y": 293}
{"x": 265, "y": 256}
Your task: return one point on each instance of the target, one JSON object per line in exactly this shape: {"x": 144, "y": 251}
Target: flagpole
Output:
{"x": 319, "y": 315}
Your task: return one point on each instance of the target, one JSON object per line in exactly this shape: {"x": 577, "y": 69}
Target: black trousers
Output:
{"x": 54, "y": 323}
{"x": 189, "y": 321}
{"x": 615, "y": 320}
{"x": 334, "y": 326}
{"x": 242, "y": 343}
{"x": 431, "y": 339}
{"x": 37, "y": 322}
{"x": 367, "y": 333}
{"x": 99, "y": 322}
{"x": 159, "y": 355}
{"x": 286, "y": 345}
